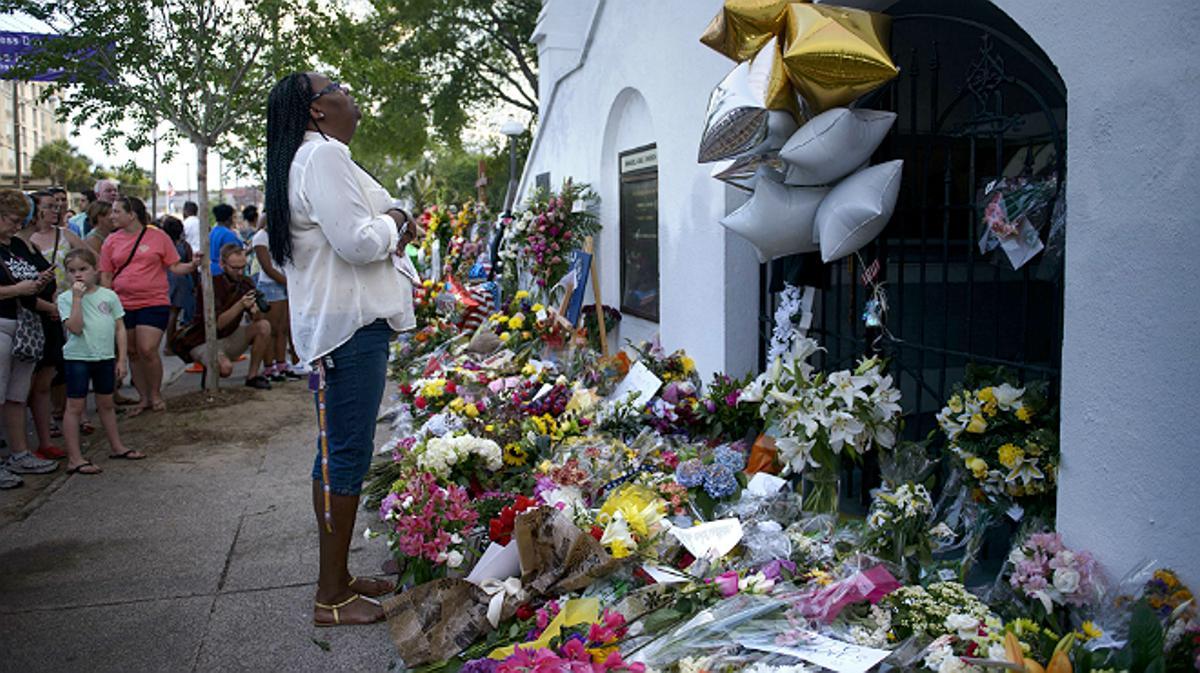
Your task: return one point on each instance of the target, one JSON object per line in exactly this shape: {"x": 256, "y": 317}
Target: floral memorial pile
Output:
{"x": 553, "y": 508}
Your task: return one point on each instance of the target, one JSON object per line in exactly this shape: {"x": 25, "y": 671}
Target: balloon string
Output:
{"x": 879, "y": 294}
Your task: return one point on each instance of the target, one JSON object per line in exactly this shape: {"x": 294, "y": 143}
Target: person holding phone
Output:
{"x": 23, "y": 275}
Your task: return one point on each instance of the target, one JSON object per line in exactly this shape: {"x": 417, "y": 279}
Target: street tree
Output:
{"x": 202, "y": 66}
{"x": 63, "y": 165}
{"x": 430, "y": 65}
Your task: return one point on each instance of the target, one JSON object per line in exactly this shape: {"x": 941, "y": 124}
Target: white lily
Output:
{"x": 847, "y": 387}
{"x": 1008, "y": 398}
{"x": 796, "y": 452}
{"x": 1027, "y": 471}
{"x": 843, "y": 429}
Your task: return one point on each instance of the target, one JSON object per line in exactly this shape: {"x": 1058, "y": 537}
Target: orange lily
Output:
{"x": 1059, "y": 663}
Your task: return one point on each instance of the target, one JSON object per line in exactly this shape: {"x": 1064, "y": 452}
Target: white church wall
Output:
{"x": 643, "y": 80}
{"x": 1130, "y": 475}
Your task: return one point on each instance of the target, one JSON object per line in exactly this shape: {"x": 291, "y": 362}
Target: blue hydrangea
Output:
{"x": 720, "y": 481}
{"x": 690, "y": 473}
{"x": 730, "y": 457}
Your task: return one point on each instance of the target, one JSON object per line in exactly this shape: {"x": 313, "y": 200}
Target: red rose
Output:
{"x": 597, "y": 532}
{"x": 525, "y": 611}
{"x": 420, "y": 402}
{"x": 451, "y": 388}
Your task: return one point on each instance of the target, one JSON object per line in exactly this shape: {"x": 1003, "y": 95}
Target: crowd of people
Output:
{"x": 87, "y": 297}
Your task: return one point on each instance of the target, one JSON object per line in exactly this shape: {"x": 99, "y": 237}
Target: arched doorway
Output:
{"x": 976, "y": 100}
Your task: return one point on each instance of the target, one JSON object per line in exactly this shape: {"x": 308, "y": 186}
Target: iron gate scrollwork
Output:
{"x": 976, "y": 100}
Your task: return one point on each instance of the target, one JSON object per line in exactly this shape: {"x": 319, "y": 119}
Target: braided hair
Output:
{"x": 287, "y": 120}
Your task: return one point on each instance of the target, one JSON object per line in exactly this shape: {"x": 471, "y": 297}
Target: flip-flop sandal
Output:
{"x": 126, "y": 456}
{"x": 79, "y": 469}
{"x": 337, "y": 618}
{"x": 158, "y": 406}
{"x": 133, "y": 412}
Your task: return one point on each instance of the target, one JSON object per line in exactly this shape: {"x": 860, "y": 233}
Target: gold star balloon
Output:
{"x": 836, "y": 54}
{"x": 742, "y": 27}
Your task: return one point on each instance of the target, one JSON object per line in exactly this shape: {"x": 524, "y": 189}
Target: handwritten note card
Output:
{"x": 825, "y": 652}
{"x": 639, "y": 379}
{"x": 712, "y": 539}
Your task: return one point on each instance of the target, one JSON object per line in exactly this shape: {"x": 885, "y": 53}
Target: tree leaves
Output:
{"x": 1146, "y": 640}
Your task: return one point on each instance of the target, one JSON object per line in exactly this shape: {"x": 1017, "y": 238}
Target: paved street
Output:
{"x": 200, "y": 558}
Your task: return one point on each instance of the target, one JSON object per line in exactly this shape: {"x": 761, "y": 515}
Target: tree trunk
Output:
{"x": 211, "y": 370}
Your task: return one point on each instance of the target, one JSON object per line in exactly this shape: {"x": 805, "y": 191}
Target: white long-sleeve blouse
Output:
{"x": 342, "y": 275}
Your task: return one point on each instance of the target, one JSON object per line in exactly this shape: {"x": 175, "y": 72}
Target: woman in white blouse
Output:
{"x": 337, "y": 237}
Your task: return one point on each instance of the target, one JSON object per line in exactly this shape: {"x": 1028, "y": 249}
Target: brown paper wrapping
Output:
{"x": 557, "y": 557}
{"x": 437, "y": 620}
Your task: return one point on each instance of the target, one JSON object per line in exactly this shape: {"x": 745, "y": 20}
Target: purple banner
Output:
{"x": 14, "y": 45}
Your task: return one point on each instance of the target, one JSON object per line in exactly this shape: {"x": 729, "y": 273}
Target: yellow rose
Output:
{"x": 471, "y": 410}
{"x": 978, "y": 467}
{"x": 977, "y": 425}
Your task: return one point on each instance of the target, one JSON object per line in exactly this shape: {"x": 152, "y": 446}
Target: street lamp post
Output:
{"x": 511, "y": 128}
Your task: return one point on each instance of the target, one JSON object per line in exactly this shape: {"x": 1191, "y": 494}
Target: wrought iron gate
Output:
{"x": 976, "y": 99}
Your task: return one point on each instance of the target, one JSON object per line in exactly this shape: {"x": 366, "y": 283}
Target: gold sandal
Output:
{"x": 337, "y": 619}
{"x": 369, "y": 594}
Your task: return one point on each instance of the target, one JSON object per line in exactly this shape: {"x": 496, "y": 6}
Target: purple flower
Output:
{"x": 484, "y": 665}
{"x": 774, "y": 569}
{"x": 731, "y": 399}
{"x": 710, "y": 406}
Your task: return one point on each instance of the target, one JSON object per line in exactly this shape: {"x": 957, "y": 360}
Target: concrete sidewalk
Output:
{"x": 200, "y": 558}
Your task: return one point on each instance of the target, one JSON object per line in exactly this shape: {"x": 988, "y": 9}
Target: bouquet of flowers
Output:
{"x": 631, "y": 520}
{"x": 1043, "y": 569}
{"x": 898, "y": 525}
{"x": 427, "y": 526}
{"x": 723, "y": 417}
{"x": 464, "y": 456}
{"x": 500, "y": 528}
{"x": 718, "y": 476}
{"x": 815, "y": 418}
{"x": 674, "y": 367}
{"x": 542, "y": 239}
{"x": 1004, "y": 438}
{"x": 942, "y": 608}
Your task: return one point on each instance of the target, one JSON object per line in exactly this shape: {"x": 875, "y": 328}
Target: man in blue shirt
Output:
{"x": 221, "y": 234}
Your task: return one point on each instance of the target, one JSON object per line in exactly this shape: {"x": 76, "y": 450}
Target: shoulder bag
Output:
{"x": 132, "y": 252}
{"x": 29, "y": 342}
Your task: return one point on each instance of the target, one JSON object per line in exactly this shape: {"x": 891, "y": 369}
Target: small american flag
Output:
{"x": 870, "y": 273}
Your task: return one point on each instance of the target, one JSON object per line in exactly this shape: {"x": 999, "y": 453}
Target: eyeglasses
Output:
{"x": 333, "y": 86}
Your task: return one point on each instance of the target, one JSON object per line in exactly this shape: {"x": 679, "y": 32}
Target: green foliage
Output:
{"x": 422, "y": 69}
{"x": 62, "y": 163}
{"x": 1146, "y": 640}
{"x": 133, "y": 179}
{"x": 203, "y": 66}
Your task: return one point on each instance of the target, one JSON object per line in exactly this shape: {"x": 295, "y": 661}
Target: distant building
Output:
{"x": 37, "y": 124}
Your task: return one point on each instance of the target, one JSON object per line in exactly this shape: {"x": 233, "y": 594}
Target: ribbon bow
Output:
{"x": 498, "y": 591}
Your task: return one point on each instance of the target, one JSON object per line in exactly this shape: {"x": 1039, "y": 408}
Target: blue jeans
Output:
{"x": 355, "y": 375}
